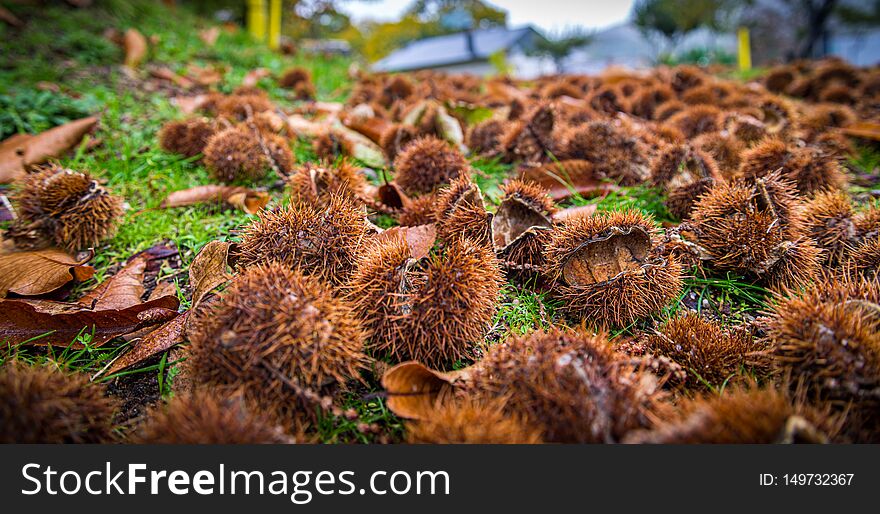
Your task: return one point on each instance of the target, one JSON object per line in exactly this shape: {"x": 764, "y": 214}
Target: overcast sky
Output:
{"x": 545, "y": 14}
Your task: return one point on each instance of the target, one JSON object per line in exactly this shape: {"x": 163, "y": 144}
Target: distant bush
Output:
{"x": 700, "y": 57}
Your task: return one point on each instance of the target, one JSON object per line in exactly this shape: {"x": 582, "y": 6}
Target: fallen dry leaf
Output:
{"x": 165, "y": 73}
{"x": 420, "y": 239}
{"x": 252, "y": 77}
{"x": 33, "y": 273}
{"x": 210, "y": 35}
{"x": 122, "y": 290}
{"x": 23, "y": 150}
{"x": 24, "y": 323}
{"x": 242, "y": 198}
{"x": 9, "y": 18}
{"x": 135, "y": 45}
{"x": 413, "y": 389}
{"x": 12, "y": 149}
{"x": 208, "y": 269}
{"x": 864, "y": 130}
{"x": 564, "y": 179}
{"x": 207, "y": 76}
{"x": 157, "y": 341}
{"x": 575, "y": 212}
{"x": 189, "y": 104}
{"x": 371, "y": 127}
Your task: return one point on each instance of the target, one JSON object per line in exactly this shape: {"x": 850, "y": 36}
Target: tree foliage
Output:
{"x": 424, "y": 18}
{"x": 674, "y": 19}
{"x": 558, "y": 46}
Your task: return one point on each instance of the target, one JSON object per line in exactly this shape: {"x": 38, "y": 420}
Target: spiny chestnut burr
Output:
{"x": 237, "y": 108}
{"x": 39, "y": 404}
{"x": 323, "y": 240}
{"x": 865, "y": 258}
{"x": 522, "y": 224}
{"x": 300, "y": 81}
{"x": 709, "y": 353}
{"x": 827, "y": 339}
{"x": 742, "y": 415}
{"x": 614, "y": 151}
{"x": 604, "y": 270}
{"x": 419, "y": 211}
{"x": 66, "y": 208}
{"x": 532, "y": 139}
{"x": 279, "y": 337}
{"x": 484, "y": 138}
{"x": 696, "y": 120}
{"x": 396, "y": 138}
{"x": 461, "y": 214}
{"x": 685, "y": 173}
{"x": 316, "y": 183}
{"x": 725, "y": 150}
{"x": 204, "y": 417}
{"x": 572, "y": 384}
{"x": 428, "y": 163}
{"x": 755, "y": 230}
{"x": 243, "y": 153}
{"x": 187, "y": 137}
{"x": 646, "y": 101}
{"x": 435, "y": 310}
{"x": 472, "y": 422}
{"x": 828, "y": 219}
{"x": 776, "y": 114}
{"x": 779, "y": 78}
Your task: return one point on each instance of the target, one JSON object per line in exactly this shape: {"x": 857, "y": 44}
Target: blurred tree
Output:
{"x": 867, "y": 15}
{"x": 558, "y": 46}
{"x": 818, "y": 14}
{"x": 315, "y": 19}
{"x": 674, "y": 19}
{"x": 434, "y": 11}
{"x": 424, "y": 18}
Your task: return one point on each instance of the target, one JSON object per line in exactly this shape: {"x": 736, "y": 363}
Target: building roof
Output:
{"x": 452, "y": 49}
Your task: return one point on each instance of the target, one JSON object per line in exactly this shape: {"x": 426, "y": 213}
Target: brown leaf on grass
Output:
{"x": 575, "y": 212}
{"x": 252, "y": 77}
{"x": 209, "y": 36}
{"x": 157, "y": 341}
{"x": 413, "y": 389}
{"x": 241, "y": 198}
{"x": 12, "y": 149}
{"x": 23, "y": 150}
{"x": 120, "y": 291}
{"x": 32, "y": 273}
{"x": 372, "y": 127}
{"x": 208, "y": 269}
{"x": 864, "y": 130}
{"x": 189, "y": 104}
{"x": 9, "y": 18}
{"x": 166, "y": 73}
{"x": 23, "y": 323}
{"x": 564, "y": 179}
{"x": 420, "y": 239}
{"x": 135, "y": 45}
{"x": 207, "y": 76}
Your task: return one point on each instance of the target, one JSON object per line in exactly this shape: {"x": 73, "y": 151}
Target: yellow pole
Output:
{"x": 745, "y": 49}
{"x": 274, "y": 24}
{"x": 257, "y": 19}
